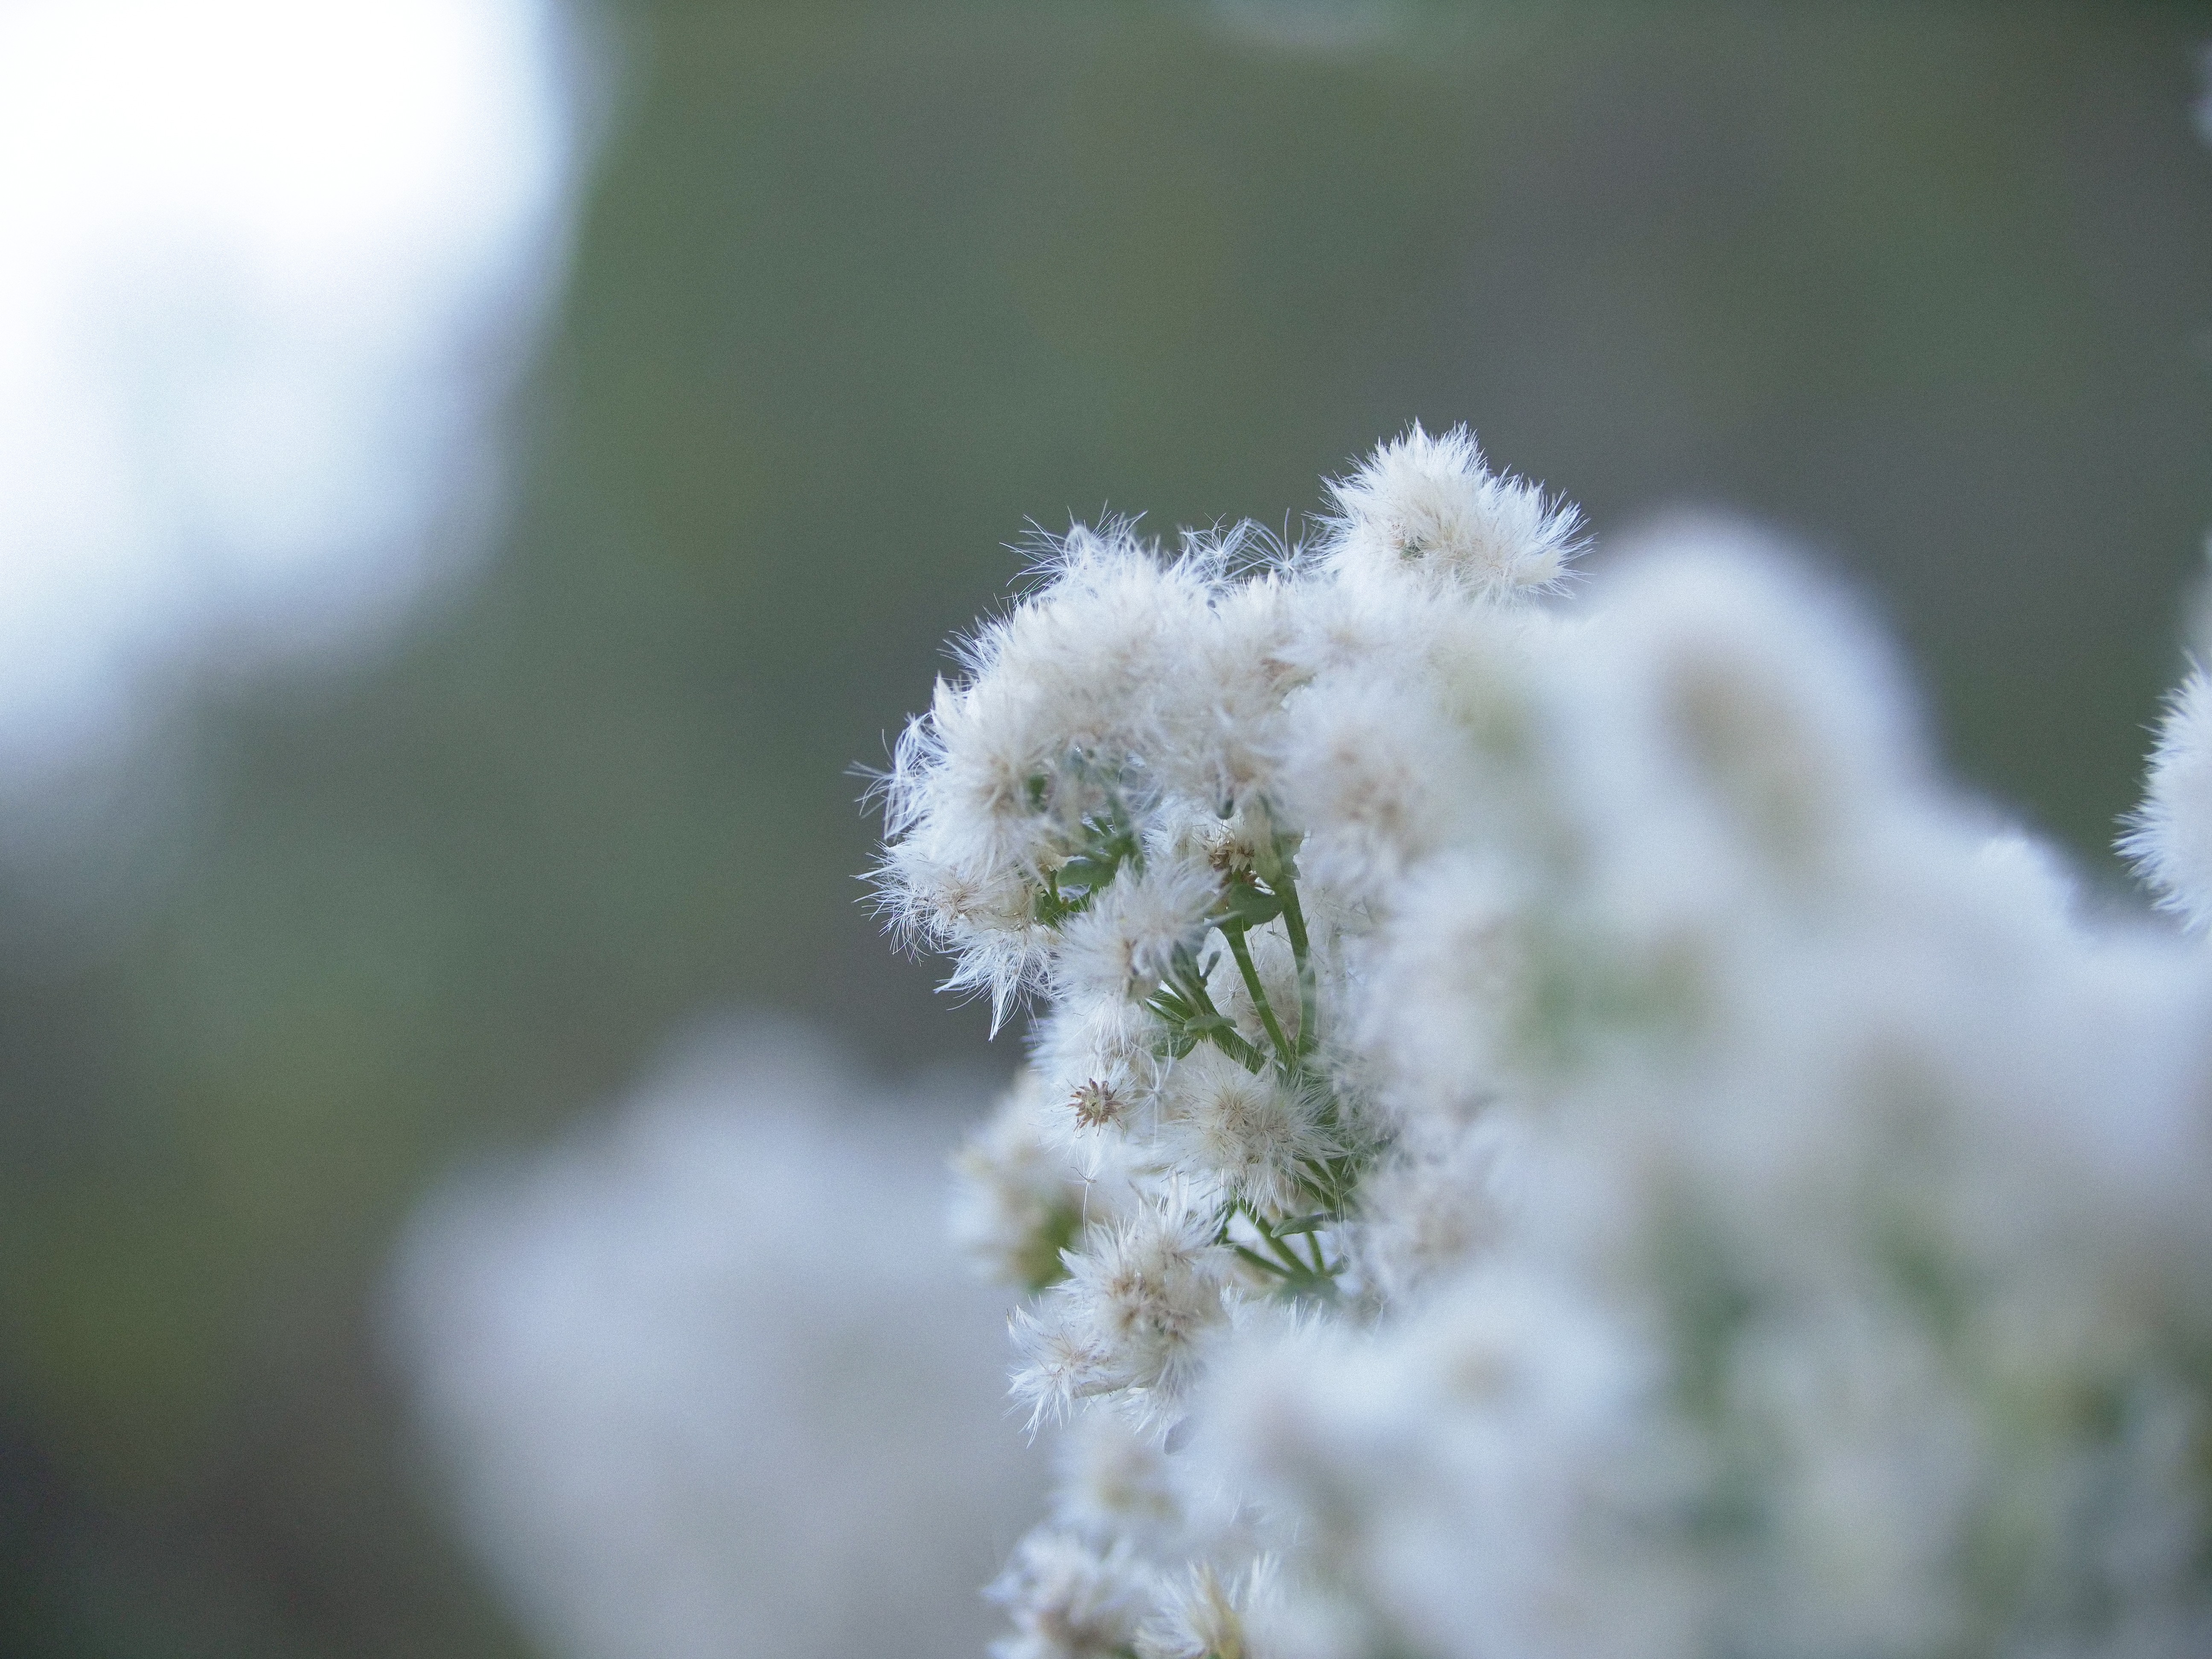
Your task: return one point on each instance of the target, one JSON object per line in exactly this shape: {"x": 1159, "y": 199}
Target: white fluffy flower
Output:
{"x": 2170, "y": 836}
{"x": 1219, "y": 704}
{"x": 983, "y": 918}
{"x": 1727, "y": 737}
{"x": 1430, "y": 505}
{"x": 1469, "y": 1483}
{"x": 1099, "y": 1073}
{"x": 1157, "y": 1286}
{"x": 1439, "y": 1200}
{"x": 1017, "y": 1205}
{"x": 1141, "y": 1300}
{"x": 1123, "y": 945}
{"x": 1115, "y": 1482}
{"x": 1248, "y": 1133}
{"x": 1064, "y": 1360}
{"x": 1450, "y": 975}
{"x": 1375, "y": 770}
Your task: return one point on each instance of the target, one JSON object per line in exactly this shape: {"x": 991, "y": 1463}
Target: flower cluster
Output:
{"x": 1549, "y": 1131}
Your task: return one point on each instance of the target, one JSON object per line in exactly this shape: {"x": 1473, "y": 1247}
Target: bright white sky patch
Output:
{"x": 264, "y": 267}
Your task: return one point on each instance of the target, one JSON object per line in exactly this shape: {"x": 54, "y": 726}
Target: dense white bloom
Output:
{"x": 1470, "y": 1483}
{"x": 1098, "y": 1071}
{"x": 1440, "y": 1198}
{"x": 1727, "y": 744}
{"x": 1450, "y": 972}
{"x": 1115, "y": 1482}
{"x": 985, "y": 916}
{"x": 1587, "y": 1149}
{"x": 1064, "y": 1360}
{"x": 1219, "y": 710}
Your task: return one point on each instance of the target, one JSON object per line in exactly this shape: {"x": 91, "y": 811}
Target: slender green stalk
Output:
{"x": 1294, "y": 924}
{"x": 1187, "y": 1006}
{"x": 1283, "y": 1252}
{"x": 1224, "y": 1035}
{"x": 1242, "y": 951}
{"x": 1254, "y": 1259}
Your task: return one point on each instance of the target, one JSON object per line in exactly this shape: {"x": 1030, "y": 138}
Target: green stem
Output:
{"x": 1294, "y": 924}
{"x": 1262, "y": 1263}
{"x": 1313, "y": 1250}
{"x": 1236, "y": 1048}
{"x": 1283, "y": 1251}
{"x": 1315, "y": 1277}
{"x": 1242, "y": 952}
{"x": 1224, "y": 1035}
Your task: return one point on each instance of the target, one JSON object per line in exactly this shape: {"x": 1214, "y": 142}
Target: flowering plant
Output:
{"x": 1548, "y": 1130}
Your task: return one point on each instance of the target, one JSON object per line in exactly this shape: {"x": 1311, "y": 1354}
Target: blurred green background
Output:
{"x": 858, "y": 292}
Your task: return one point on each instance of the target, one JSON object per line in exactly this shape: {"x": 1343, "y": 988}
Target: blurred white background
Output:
{"x": 269, "y": 270}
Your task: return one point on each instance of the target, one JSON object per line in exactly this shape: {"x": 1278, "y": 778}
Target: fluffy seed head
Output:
{"x": 1153, "y": 1287}
{"x": 1251, "y": 1136}
{"x": 1374, "y": 771}
{"x": 1429, "y": 505}
{"x": 1063, "y": 1359}
{"x": 1115, "y": 1481}
{"x": 1125, "y": 943}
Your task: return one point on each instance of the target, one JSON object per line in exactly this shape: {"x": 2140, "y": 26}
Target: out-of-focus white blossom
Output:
{"x": 1071, "y": 1599}
{"x": 705, "y": 1379}
{"x": 1203, "y": 1616}
{"x": 1587, "y": 1149}
{"x": 1018, "y": 1205}
{"x": 1372, "y": 764}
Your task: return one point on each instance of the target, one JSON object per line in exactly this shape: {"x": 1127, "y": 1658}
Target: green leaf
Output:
{"x": 1246, "y": 905}
{"x": 1108, "y": 842}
